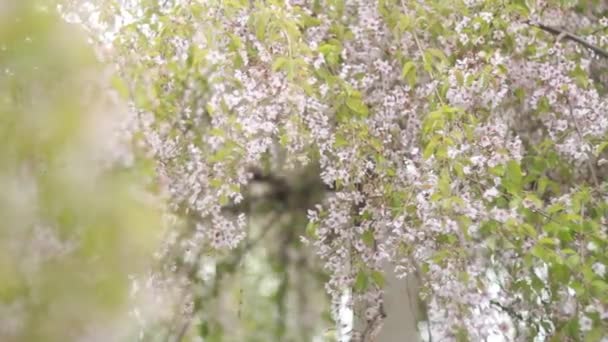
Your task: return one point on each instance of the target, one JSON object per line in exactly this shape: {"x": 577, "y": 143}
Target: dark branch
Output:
{"x": 508, "y": 310}
{"x": 569, "y": 36}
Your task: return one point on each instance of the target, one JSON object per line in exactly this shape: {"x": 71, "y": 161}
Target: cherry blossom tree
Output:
{"x": 461, "y": 142}
{"x": 457, "y": 143}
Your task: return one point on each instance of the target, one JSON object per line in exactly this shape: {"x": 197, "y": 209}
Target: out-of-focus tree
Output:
{"x": 77, "y": 213}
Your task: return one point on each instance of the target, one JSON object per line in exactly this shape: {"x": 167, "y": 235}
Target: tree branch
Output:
{"x": 508, "y": 310}
{"x": 569, "y": 36}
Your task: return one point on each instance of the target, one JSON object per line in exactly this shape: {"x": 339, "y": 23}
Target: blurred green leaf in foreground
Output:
{"x": 75, "y": 221}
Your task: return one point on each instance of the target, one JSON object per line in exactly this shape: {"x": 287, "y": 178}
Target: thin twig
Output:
{"x": 507, "y": 195}
{"x": 599, "y": 30}
{"x": 568, "y": 36}
{"x": 421, "y": 50}
{"x": 590, "y": 159}
{"x": 429, "y": 71}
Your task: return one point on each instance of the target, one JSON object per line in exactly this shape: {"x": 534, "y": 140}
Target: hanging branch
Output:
{"x": 590, "y": 158}
{"x": 268, "y": 225}
{"x": 561, "y": 34}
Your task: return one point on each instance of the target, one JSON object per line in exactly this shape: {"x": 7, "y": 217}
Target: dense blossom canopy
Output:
{"x": 458, "y": 141}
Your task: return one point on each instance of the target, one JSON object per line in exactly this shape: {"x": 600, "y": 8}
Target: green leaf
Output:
{"x": 513, "y": 177}
{"x": 573, "y": 261}
{"x": 520, "y": 7}
{"x": 595, "y": 335}
{"x": 444, "y": 182}
{"x": 427, "y": 66}
{"x": 361, "y": 282}
{"x": 412, "y": 75}
{"x": 224, "y": 200}
{"x": 341, "y": 141}
{"x": 119, "y": 85}
{"x": 378, "y": 278}
{"x": 560, "y": 273}
{"x": 543, "y": 105}
{"x": 600, "y": 148}
{"x": 407, "y": 68}
{"x": 429, "y": 149}
{"x": 547, "y": 241}
{"x": 216, "y": 183}
{"x": 358, "y": 106}
{"x": 600, "y": 286}
{"x": 331, "y": 53}
{"x": 327, "y": 49}
{"x": 434, "y": 121}
{"x": 260, "y": 25}
{"x": 343, "y": 113}
{"x": 368, "y": 238}
{"x": 311, "y": 229}
{"x": 438, "y": 54}
{"x": 462, "y": 335}
{"x": 279, "y": 63}
{"x": 555, "y": 208}
{"x": 580, "y": 76}
{"x": 540, "y": 252}
{"x": 405, "y": 23}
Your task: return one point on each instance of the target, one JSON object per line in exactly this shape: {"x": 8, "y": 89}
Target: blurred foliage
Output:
{"x": 73, "y": 226}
